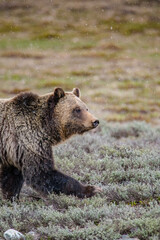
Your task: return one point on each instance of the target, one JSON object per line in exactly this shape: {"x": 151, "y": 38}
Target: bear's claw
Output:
{"x": 97, "y": 190}
{"x": 90, "y": 191}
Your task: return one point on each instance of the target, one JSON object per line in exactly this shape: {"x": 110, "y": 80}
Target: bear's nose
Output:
{"x": 95, "y": 123}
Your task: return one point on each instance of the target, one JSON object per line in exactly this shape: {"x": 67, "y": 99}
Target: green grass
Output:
{"x": 19, "y": 44}
{"x": 127, "y": 28}
{"x": 13, "y": 77}
{"x": 9, "y": 27}
{"x": 129, "y": 84}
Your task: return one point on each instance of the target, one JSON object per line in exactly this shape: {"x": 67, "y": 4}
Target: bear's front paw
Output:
{"x": 90, "y": 191}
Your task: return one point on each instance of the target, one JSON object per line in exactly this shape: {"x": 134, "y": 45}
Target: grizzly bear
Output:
{"x": 29, "y": 126}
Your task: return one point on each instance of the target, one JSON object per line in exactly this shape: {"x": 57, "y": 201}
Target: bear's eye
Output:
{"x": 77, "y": 110}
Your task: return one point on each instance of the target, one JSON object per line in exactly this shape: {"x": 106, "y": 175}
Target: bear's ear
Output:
{"x": 55, "y": 97}
{"x": 58, "y": 93}
{"x": 76, "y": 92}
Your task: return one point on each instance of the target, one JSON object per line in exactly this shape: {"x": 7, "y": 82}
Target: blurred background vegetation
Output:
{"x": 109, "y": 49}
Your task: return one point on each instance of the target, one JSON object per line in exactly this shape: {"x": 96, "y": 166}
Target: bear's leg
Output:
{"x": 11, "y": 181}
{"x": 45, "y": 180}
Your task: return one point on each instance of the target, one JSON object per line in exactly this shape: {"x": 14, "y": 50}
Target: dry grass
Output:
{"x": 109, "y": 50}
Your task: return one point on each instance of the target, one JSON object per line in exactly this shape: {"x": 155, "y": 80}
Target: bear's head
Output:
{"x": 70, "y": 114}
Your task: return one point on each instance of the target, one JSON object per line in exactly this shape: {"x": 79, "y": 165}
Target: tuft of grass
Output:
{"x": 129, "y": 27}
{"x": 7, "y": 27}
{"x": 27, "y": 44}
{"x": 81, "y": 73}
{"x": 48, "y": 35}
{"x": 21, "y": 54}
{"x": 127, "y": 84}
{"x": 83, "y": 45}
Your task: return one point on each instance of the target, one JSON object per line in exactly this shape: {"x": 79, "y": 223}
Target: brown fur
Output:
{"x": 30, "y": 126}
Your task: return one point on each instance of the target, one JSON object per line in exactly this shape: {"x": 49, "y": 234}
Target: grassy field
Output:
{"x": 122, "y": 159}
{"x": 111, "y": 51}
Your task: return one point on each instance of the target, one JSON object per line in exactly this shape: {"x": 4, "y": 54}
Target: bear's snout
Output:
{"x": 95, "y": 123}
